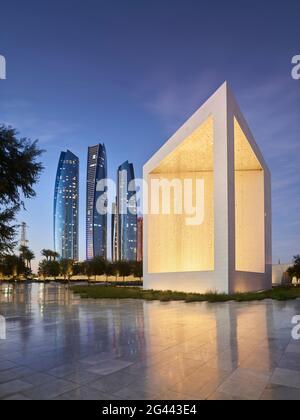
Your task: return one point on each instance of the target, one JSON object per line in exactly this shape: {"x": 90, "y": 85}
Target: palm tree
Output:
{"x": 13, "y": 266}
{"x": 88, "y": 269}
{"x": 137, "y": 269}
{"x": 47, "y": 253}
{"x": 109, "y": 270}
{"x": 29, "y": 256}
{"x": 43, "y": 269}
{"x": 55, "y": 255}
{"x": 98, "y": 266}
{"x": 23, "y": 251}
{"x": 53, "y": 269}
{"x": 66, "y": 268}
{"x": 123, "y": 268}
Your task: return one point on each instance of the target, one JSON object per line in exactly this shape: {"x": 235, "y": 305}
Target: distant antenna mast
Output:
{"x": 24, "y": 241}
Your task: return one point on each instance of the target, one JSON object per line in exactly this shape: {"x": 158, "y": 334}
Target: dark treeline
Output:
{"x": 52, "y": 267}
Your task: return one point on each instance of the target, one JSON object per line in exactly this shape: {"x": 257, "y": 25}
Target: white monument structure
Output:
{"x": 227, "y": 247}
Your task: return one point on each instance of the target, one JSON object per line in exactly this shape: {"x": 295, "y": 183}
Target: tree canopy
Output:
{"x": 20, "y": 169}
{"x": 294, "y": 271}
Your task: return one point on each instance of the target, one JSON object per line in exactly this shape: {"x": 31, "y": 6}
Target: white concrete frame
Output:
{"x": 223, "y": 107}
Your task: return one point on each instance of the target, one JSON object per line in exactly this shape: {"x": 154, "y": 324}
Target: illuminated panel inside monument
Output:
{"x": 173, "y": 244}
{"x": 249, "y": 206}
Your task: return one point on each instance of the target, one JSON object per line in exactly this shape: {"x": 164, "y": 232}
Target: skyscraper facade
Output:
{"x": 65, "y": 215}
{"x": 114, "y": 232}
{"x": 139, "y": 254}
{"x": 127, "y": 212}
{"x": 96, "y": 222}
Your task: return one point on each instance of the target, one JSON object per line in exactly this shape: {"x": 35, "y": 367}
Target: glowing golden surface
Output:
{"x": 174, "y": 246}
{"x": 194, "y": 154}
{"x": 244, "y": 157}
{"x": 249, "y": 207}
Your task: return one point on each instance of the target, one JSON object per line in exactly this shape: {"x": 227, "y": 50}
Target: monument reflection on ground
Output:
{"x": 61, "y": 347}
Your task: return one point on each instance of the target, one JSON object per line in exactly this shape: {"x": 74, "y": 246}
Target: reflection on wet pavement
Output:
{"x": 61, "y": 347}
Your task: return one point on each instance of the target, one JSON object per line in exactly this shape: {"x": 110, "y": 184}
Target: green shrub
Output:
{"x": 115, "y": 292}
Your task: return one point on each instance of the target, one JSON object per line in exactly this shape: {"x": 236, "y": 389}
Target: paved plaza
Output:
{"x": 59, "y": 346}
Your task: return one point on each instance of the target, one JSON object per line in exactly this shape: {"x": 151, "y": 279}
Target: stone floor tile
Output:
{"x": 17, "y": 397}
{"x": 285, "y": 377}
{"x": 245, "y": 383}
{"x": 281, "y": 393}
{"x": 114, "y": 382}
{"x": 6, "y": 364}
{"x": 13, "y": 387}
{"x": 108, "y": 367}
{"x": 50, "y": 390}
{"x": 85, "y": 393}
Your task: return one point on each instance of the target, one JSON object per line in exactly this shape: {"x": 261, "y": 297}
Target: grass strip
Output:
{"x": 112, "y": 292}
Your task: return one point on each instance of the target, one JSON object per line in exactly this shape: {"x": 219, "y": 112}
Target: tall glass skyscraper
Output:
{"x": 96, "y": 223}
{"x": 139, "y": 252}
{"x": 114, "y": 232}
{"x": 127, "y": 212}
{"x": 66, "y": 197}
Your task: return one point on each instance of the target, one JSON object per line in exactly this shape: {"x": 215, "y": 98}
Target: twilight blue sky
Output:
{"x": 129, "y": 72}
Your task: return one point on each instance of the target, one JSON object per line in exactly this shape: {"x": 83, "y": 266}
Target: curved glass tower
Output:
{"x": 96, "y": 223}
{"x": 114, "y": 232}
{"x": 127, "y": 213}
{"x": 66, "y": 196}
